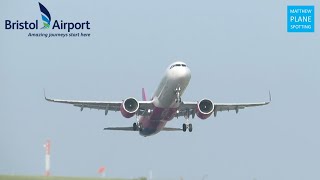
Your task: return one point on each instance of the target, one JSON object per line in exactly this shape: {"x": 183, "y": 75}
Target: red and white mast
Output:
{"x": 102, "y": 171}
{"x": 47, "y": 158}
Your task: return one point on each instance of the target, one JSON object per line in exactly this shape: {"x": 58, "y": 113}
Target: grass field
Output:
{"x": 9, "y": 177}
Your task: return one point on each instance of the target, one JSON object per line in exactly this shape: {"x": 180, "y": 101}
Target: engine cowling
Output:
{"x": 129, "y": 107}
{"x": 204, "y": 108}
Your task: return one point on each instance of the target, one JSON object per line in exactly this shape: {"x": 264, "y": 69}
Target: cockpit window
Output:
{"x": 183, "y": 65}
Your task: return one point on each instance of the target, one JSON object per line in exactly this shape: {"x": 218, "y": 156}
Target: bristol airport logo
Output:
{"x": 46, "y": 18}
{"x": 58, "y": 26}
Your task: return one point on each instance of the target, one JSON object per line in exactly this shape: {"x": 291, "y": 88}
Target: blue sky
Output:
{"x": 237, "y": 51}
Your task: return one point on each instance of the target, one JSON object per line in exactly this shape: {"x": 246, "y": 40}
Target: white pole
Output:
{"x": 150, "y": 175}
{"x": 47, "y": 158}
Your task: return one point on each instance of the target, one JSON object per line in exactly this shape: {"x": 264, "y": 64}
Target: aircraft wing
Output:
{"x": 192, "y": 106}
{"x": 102, "y": 105}
{"x": 222, "y": 106}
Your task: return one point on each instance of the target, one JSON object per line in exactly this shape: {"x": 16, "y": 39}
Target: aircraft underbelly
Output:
{"x": 156, "y": 121}
{"x": 151, "y": 127}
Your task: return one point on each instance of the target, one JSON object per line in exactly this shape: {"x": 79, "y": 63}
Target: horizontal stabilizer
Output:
{"x": 119, "y": 128}
{"x": 131, "y": 129}
{"x": 171, "y": 129}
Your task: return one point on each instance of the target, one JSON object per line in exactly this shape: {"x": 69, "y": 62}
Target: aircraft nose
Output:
{"x": 183, "y": 73}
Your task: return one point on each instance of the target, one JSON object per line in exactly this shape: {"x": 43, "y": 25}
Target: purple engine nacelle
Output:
{"x": 204, "y": 109}
{"x": 129, "y": 107}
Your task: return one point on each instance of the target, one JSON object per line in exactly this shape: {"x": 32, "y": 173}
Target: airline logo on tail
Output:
{"x": 46, "y": 18}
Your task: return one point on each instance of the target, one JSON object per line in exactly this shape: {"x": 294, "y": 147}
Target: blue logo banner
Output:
{"x": 300, "y": 18}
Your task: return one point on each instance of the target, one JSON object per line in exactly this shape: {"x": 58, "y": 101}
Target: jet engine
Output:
{"x": 129, "y": 107}
{"x": 204, "y": 108}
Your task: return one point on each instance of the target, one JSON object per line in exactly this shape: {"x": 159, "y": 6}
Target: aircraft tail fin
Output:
{"x": 144, "y": 97}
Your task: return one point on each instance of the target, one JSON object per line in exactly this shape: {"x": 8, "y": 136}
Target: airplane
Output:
{"x": 165, "y": 104}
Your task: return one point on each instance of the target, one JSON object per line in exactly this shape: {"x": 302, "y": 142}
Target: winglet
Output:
{"x": 144, "y": 97}
{"x": 270, "y": 96}
{"x": 45, "y": 97}
{"x": 44, "y": 94}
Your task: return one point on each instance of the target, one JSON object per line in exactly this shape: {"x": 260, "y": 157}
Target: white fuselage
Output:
{"x": 166, "y": 98}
